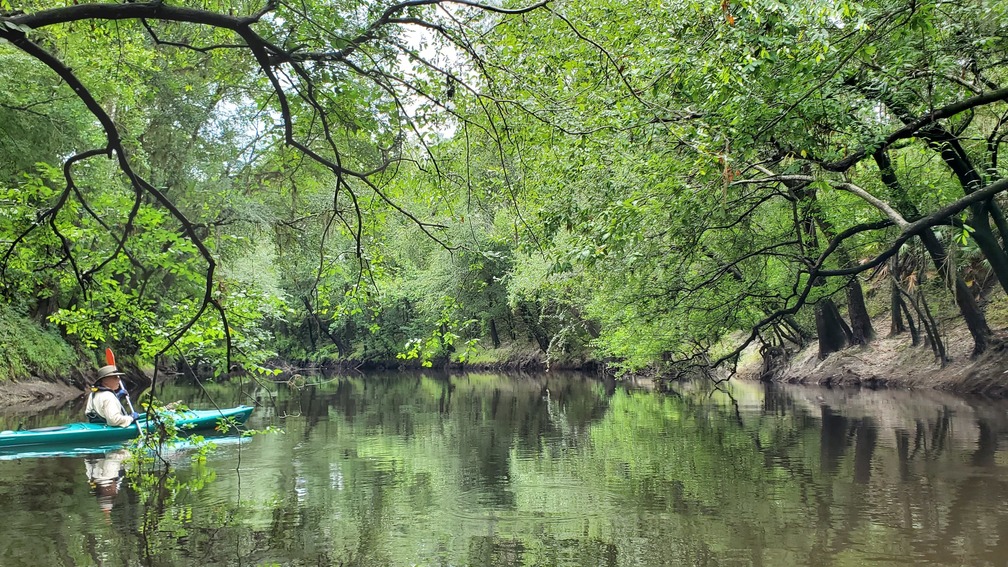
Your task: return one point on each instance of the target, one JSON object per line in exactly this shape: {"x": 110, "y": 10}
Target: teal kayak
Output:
{"x": 93, "y": 434}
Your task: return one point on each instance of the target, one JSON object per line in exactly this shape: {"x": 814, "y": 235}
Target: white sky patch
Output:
{"x": 446, "y": 56}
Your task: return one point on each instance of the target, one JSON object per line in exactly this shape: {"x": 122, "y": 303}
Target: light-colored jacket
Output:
{"x": 107, "y": 405}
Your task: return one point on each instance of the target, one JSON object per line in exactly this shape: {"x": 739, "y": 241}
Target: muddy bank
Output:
{"x": 893, "y": 362}
{"x": 36, "y": 396}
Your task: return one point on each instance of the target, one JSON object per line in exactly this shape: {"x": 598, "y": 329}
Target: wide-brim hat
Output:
{"x": 108, "y": 370}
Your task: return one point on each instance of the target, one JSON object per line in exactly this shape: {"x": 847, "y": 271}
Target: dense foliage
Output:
{"x": 651, "y": 185}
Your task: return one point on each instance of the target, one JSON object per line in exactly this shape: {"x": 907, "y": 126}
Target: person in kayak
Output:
{"x": 103, "y": 403}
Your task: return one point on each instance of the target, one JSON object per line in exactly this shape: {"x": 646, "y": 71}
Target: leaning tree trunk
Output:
{"x": 536, "y": 331}
{"x": 947, "y": 145}
{"x": 934, "y": 333}
{"x": 322, "y": 327}
{"x": 830, "y": 327}
{"x": 914, "y": 332}
{"x": 898, "y": 305}
{"x": 860, "y": 332}
{"x": 971, "y": 313}
{"x": 968, "y": 308}
{"x": 800, "y": 332}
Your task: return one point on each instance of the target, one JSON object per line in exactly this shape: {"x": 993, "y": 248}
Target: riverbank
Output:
{"x": 36, "y": 396}
{"x": 886, "y": 362}
{"x": 893, "y": 362}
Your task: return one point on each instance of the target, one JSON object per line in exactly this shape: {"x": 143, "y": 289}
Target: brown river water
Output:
{"x": 542, "y": 469}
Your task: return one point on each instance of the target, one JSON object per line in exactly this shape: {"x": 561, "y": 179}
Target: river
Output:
{"x": 546, "y": 469}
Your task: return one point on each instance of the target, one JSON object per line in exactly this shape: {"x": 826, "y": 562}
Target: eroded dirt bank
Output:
{"x": 893, "y": 362}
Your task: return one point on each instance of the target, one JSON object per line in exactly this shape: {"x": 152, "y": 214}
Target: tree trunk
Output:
{"x": 310, "y": 323}
{"x": 861, "y": 328}
{"x": 955, "y": 157}
{"x": 44, "y": 308}
{"x": 786, "y": 334}
{"x": 971, "y": 313}
{"x": 848, "y": 334}
{"x": 512, "y": 327}
{"x": 862, "y": 331}
{"x": 773, "y": 358}
{"x": 803, "y": 335}
{"x": 534, "y": 329}
{"x": 322, "y": 327}
{"x": 931, "y": 326}
{"x": 968, "y": 308}
{"x": 988, "y": 244}
{"x": 493, "y": 334}
{"x": 914, "y": 333}
{"x": 830, "y": 327}
{"x": 896, "y": 307}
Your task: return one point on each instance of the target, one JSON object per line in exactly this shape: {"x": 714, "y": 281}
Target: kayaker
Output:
{"x": 103, "y": 403}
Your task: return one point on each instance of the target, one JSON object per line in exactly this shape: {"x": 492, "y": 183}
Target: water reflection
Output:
{"x": 105, "y": 474}
{"x": 484, "y": 469}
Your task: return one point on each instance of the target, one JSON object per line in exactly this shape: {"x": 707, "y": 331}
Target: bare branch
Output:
{"x": 879, "y": 204}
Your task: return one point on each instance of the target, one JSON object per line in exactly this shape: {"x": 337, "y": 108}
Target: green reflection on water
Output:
{"x": 484, "y": 469}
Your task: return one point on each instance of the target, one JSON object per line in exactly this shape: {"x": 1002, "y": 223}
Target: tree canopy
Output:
{"x": 648, "y": 184}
